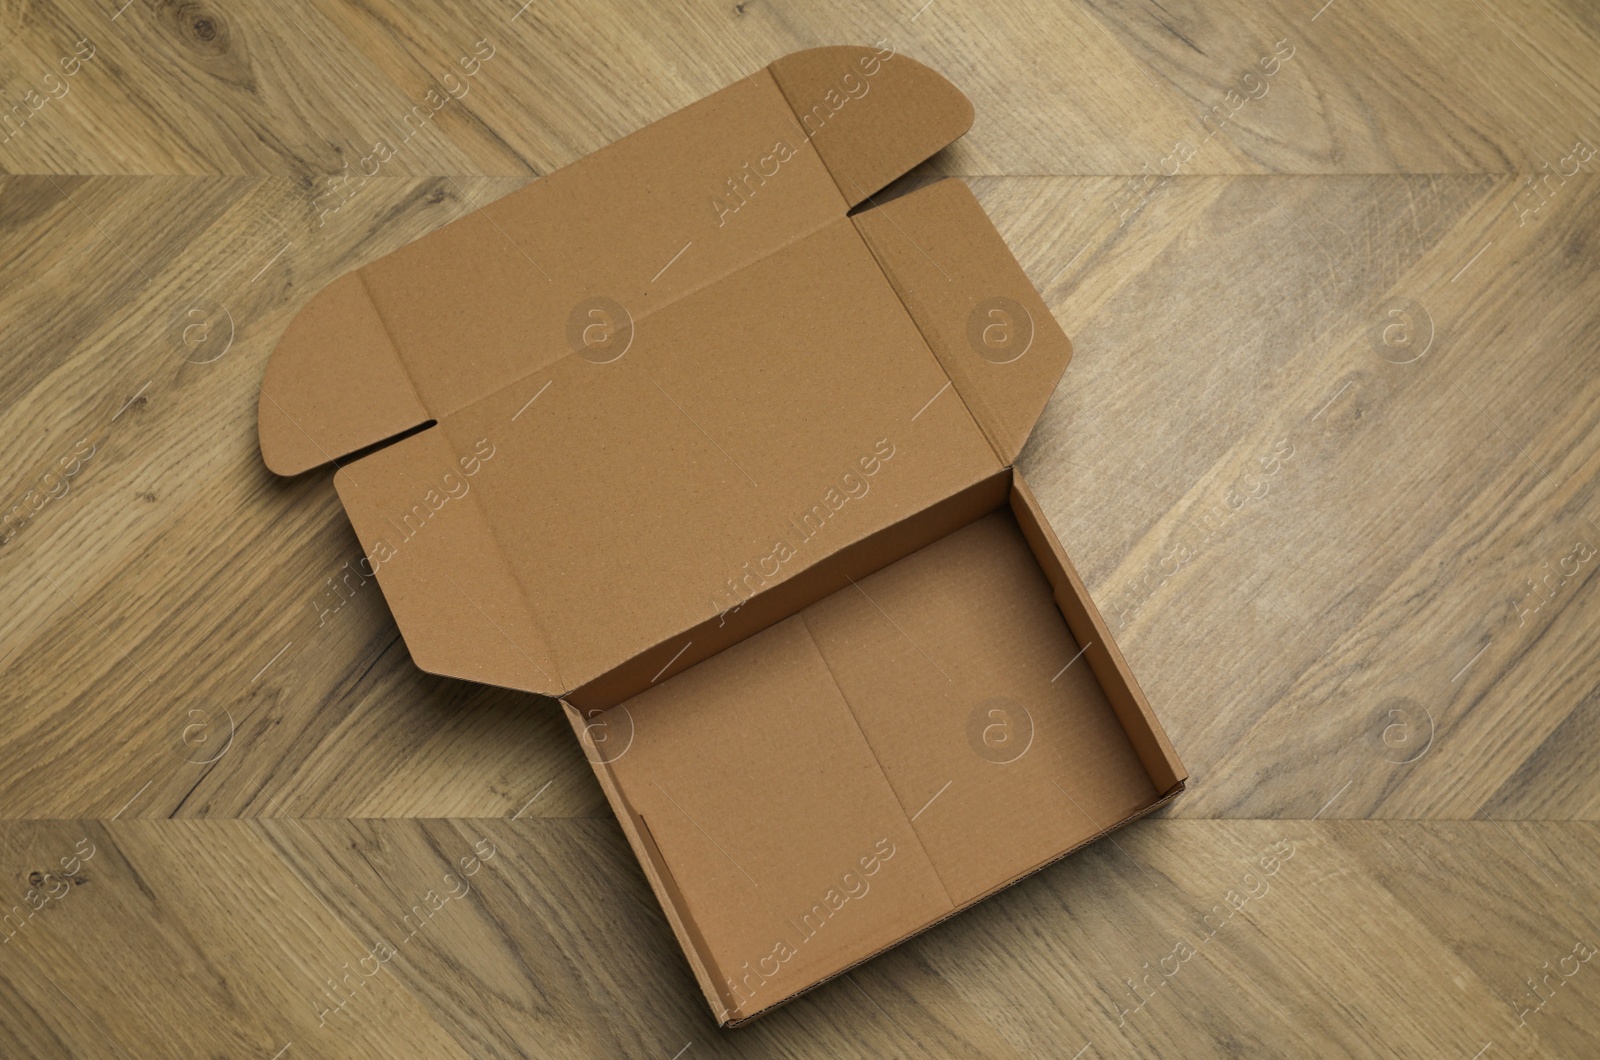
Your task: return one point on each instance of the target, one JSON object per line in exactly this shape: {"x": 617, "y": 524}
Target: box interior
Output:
{"x": 881, "y": 759}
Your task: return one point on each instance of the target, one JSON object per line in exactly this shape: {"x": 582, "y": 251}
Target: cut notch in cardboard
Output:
{"x": 685, "y": 430}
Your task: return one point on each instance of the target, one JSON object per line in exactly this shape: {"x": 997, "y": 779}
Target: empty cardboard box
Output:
{"x": 676, "y": 437}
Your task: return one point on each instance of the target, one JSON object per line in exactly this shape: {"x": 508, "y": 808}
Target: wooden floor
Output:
{"x": 224, "y": 786}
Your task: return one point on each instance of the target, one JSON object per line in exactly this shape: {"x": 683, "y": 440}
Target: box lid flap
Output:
{"x": 597, "y": 246}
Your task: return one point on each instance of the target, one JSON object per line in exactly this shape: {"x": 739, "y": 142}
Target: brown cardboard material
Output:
{"x": 678, "y": 438}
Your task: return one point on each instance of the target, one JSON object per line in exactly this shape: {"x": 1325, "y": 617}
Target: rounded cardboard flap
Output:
{"x": 871, "y": 113}
{"x": 334, "y": 383}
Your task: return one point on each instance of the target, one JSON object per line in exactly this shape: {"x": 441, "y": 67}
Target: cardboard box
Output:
{"x": 677, "y": 438}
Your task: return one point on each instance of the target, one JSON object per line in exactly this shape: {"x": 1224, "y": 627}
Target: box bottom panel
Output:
{"x": 857, "y": 772}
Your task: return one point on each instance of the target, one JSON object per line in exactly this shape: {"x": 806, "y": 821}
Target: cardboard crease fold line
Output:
{"x": 911, "y": 827}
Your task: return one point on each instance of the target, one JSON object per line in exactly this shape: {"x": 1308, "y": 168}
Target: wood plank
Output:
{"x": 1355, "y": 938}
{"x": 1106, "y": 87}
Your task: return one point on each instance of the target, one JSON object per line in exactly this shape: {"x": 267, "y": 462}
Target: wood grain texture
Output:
{"x": 539, "y": 938}
{"x": 1325, "y": 456}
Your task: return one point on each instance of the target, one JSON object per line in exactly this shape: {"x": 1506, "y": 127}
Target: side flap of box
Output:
{"x": 455, "y": 598}
{"x": 593, "y": 737}
{"x": 1127, "y": 699}
{"x": 871, "y": 114}
{"x": 979, "y": 313}
{"x": 335, "y": 383}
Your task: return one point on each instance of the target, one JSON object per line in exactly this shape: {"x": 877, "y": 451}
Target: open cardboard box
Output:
{"x": 674, "y": 436}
